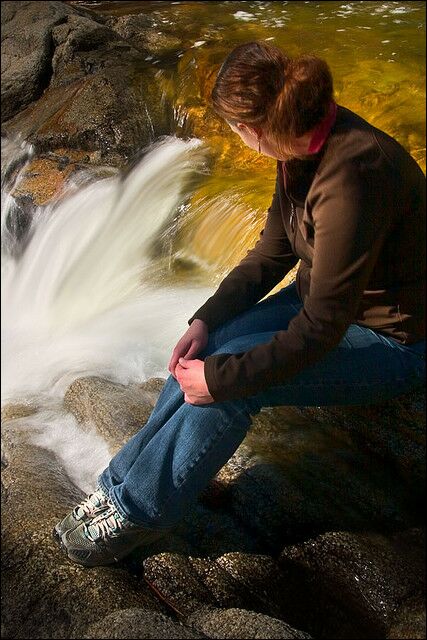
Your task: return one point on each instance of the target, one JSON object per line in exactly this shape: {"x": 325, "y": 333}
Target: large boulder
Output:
{"x": 116, "y": 410}
{"x": 26, "y": 50}
{"x": 301, "y": 476}
{"x": 97, "y": 95}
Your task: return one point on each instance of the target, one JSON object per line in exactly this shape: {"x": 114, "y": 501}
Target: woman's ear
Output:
{"x": 257, "y": 133}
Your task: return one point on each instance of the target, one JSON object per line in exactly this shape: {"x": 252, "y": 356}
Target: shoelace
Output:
{"x": 106, "y": 524}
{"x": 89, "y": 504}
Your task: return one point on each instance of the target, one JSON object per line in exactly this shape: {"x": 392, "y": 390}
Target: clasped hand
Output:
{"x": 190, "y": 373}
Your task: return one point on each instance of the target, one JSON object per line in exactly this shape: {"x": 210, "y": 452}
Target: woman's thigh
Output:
{"x": 272, "y": 314}
{"x": 364, "y": 368}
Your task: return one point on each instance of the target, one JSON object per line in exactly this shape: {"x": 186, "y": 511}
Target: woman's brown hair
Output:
{"x": 259, "y": 85}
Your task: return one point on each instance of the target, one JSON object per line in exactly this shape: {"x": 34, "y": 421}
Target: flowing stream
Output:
{"x": 79, "y": 299}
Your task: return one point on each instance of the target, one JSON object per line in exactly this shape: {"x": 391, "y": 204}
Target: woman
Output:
{"x": 349, "y": 204}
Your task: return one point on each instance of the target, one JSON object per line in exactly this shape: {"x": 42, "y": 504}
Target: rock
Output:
{"x": 43, "y": 593}
{"x": 12, "y": 411}
{"x": 173, "y": 578}
{"x": 208, "y": 592}
{"x": 410, "y": 621}
{"x": 142, "y": 32}
{"x": 232, "y": 580}
{"x": 26, "y": 49}
{"x": 139, "y": 623}
{"x": 394, "y": 430}
{"x": 116, "y": 411}
{"x": 300, "y": 476}
{"x": 100, "y": 96}
{"x": 238, "y": 623}
{"x": 293, "y": 478}
{"x": 349, "y": 585}
{"x": 102, "y": 112}
{"x": 45, "y": 178}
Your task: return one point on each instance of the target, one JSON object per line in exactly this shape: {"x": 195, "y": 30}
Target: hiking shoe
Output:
{"x": 105, "y": 539}
{"x": 91, "y": 506}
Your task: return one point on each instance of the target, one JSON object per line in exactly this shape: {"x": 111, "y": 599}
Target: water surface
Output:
{"x": 376, "y": 51}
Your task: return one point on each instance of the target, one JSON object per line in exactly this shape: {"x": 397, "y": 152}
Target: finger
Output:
{"x": 185, "y": 364}
{"x": 193, "y": 350}
{"x": 173, "y": 361}
{"x": 178, "y": 373}
{"x": 171, "y": 368}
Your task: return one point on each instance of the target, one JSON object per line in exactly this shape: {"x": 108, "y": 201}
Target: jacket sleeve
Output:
{"x": 256, "y": 275}
{"x": 350, "y": 227}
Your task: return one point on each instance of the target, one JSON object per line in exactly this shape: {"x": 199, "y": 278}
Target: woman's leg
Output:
{"x": 196, "y": 441}
{"x": 272, "y": 314}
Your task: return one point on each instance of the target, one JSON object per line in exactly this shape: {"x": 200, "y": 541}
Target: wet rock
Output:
{"x": 100, "y": 94}
{"x": 12, "y": 411}
{"x": 207, "y": 592}
{"x": 291, "y": 478}
{"x": 143, "y": 33}
{"x": 349, "y": 585}
{"x": 239, "y": 623}
{"x": 139, "y": 623}
{"x": 99, "y": 113}
{"x": 43, "y": 593}
{"x": 116, "y": 411}
{"x": 26, "y": 49}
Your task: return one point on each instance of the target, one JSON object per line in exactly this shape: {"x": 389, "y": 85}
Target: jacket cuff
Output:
{"x": 217, "y": 389}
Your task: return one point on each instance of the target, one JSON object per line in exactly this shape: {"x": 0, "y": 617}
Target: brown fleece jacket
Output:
{"x": 354, "y": 214}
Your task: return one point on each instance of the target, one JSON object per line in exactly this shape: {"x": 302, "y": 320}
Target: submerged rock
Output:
{"x": 142, "y": 32}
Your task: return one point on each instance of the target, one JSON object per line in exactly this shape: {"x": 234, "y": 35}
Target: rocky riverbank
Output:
{"x": 321, "y": 539}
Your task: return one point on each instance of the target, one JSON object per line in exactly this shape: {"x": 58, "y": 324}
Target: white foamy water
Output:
{"x": 75, "y": 302}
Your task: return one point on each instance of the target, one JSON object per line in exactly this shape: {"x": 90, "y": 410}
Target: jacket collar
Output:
{"x": 322, "y": 130}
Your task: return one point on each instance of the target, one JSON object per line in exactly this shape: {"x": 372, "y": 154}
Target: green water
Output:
{"x": 376, "y": 51}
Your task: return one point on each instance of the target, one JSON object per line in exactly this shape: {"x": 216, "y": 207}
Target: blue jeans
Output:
{"x": 163, "y": 468}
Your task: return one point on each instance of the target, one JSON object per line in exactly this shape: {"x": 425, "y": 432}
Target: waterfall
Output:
{"x": 82, "y": 297}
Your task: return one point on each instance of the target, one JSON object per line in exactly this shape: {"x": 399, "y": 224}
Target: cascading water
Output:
{"x": 80, "y": 298}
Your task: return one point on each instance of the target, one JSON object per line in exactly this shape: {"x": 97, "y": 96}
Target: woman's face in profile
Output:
{"x": 255, "y": 140}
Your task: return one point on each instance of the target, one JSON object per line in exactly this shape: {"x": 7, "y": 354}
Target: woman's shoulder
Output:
{"x": 356, "y": 142}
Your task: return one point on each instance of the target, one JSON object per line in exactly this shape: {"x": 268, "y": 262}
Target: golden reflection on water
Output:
{"x": 376, "y": 51}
